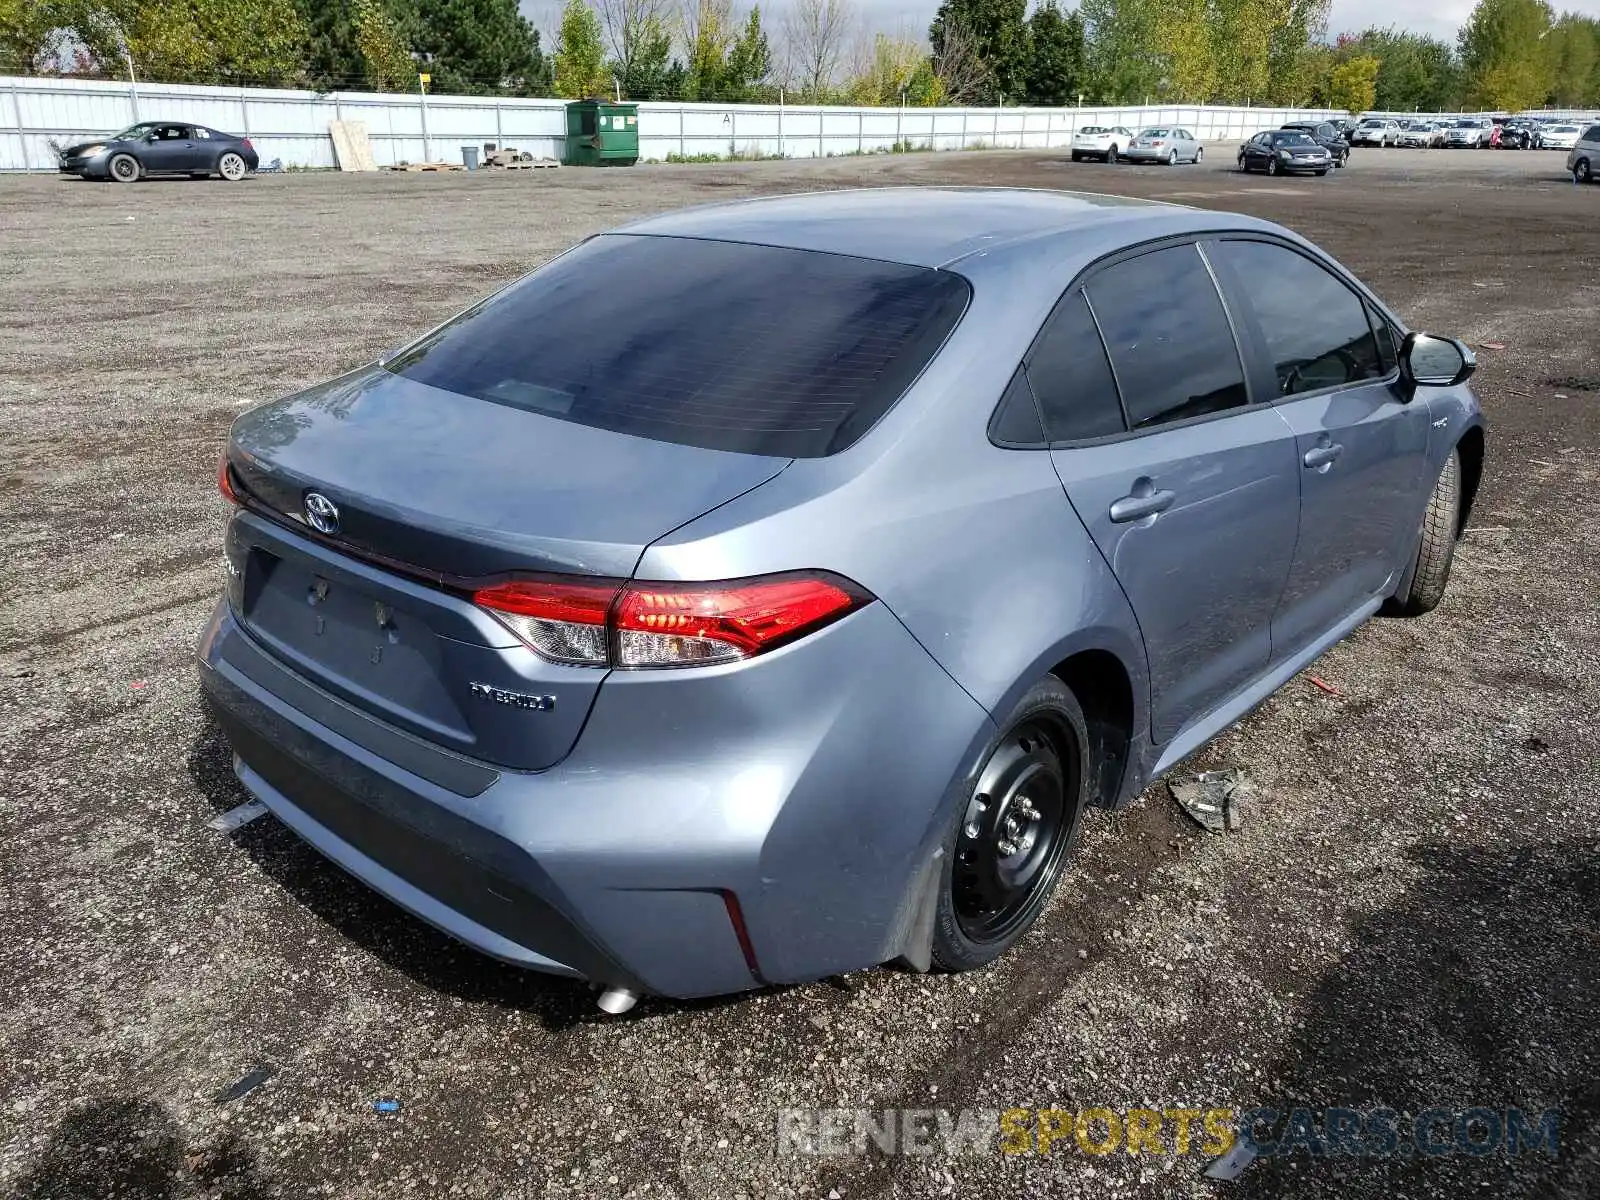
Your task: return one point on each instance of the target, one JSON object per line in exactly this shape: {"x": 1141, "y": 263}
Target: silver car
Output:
{"x": 1468, "y": 133}
{"x": 764, "y": 591}
{"x": 1165, "y": 144}
{"x": 1584, "y": 159}
{"x": 1422, "y": 135}
{"x": 1376, "y": 131}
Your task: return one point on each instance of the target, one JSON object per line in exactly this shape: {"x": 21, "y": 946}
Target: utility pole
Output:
{"x": 422, "y": 87}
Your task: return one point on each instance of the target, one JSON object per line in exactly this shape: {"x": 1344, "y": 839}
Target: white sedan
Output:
{"x": 1559, "y": 137}
{"x": 1105, "y": 142}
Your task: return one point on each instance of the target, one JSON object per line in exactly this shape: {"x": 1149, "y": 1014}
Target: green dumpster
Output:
{"x": 602, "y": 134}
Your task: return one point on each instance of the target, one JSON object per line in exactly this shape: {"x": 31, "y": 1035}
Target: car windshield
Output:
{"x": 1154, "y": 133}
{"x": 1293, "y": 138}
{"x": 1372, "y": 123}
{"x": 1563, "y": 129}
{"x": 722, "y": 345}
{"x": 134, "y": 132}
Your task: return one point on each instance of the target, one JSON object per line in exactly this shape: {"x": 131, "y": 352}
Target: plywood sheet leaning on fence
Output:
{"x": 351, "y": 148}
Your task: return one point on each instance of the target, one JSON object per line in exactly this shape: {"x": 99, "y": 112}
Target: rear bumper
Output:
{"x": 1146, "y": 154}
{"x": 812, "y": 785}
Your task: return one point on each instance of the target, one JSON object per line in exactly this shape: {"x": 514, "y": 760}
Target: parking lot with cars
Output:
{"x": 1406, "y": 918}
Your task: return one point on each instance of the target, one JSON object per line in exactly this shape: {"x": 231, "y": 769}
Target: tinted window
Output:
{"x": 1315, "y": 328}
{"x": 731, "y": 347}
{"x": 1388, "y": 354}
{"x": 1071, "y": 378}
{"x": 1168, "y": 337}
{"x": 1592, "y": 134}
{"x": 1016, "y": 420}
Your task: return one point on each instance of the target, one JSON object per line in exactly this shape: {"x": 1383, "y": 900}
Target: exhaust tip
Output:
{"x": 616, "y": 1000}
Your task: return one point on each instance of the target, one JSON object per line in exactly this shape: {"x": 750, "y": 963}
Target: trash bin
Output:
{"x": 469, "y": 157}
{"x": 602, "y": 134}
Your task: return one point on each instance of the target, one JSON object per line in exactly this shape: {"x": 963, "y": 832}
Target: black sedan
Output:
{"x": 1327, "y": 135}
{"x": 161, "y": 148}
{"x": 1280, "y": 151}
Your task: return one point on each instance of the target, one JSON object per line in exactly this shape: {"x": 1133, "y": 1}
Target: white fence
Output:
{"x": 293, "y": 126}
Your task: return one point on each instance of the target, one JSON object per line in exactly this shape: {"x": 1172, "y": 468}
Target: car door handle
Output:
{"x": 1137, "y": 507}
{"x": 1321, "y": 456}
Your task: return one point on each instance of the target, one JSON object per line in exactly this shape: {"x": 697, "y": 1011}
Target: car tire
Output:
{"x": 1244, "y": 167}
{"x": 1582, "y": 172}
{"x": 1436, "y": 547}
{"x": 1322, "y": 172}
{"x": 1199, "y": 153}
{"x": 1111, "y": 156}
{"x": 232, "y": 167}
{"x": 1272, "y": 166}
{"x": 1028, "y": 798}
{"x": 1172, "y": 157}
{"x": 1076, "y": 157}
{"x": 1339, "y": 163}
{"x": 124, "y": 168}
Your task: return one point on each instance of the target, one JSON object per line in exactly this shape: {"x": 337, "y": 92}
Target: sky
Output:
{"x": 1440, "y": 18}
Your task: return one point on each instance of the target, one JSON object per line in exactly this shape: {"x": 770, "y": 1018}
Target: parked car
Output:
{"x": 1583, "y": 160}
{"x": 575, "y": 641}
{"x": 1376, "y": 131}
{"x": 1326, "y": 135}
{"x": 1105, "y": 142}
{"x": 1516, "y": 135}
{"x": 1282, "y": 151}
{"x": 161, "y": 148}
{"x": 1560, "y": 137}
{"x": 1467, "y": 133}
{"x": 1165, "y": 144}
{"x": 1422, "y": 135}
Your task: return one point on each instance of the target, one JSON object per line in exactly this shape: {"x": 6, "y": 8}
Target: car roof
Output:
{"x": 931, "y": 227}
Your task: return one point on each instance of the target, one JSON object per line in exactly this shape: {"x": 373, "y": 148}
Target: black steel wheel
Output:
{"x": 1012, "y": 835}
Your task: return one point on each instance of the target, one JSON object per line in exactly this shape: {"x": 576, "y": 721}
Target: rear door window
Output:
{"x": 1315, "y": 329}
{"x": 1168, "y": 336}
{"x": 1071, "y": 377}
{"x": 726, "y": 346}
{"x": 1592, "y": 134}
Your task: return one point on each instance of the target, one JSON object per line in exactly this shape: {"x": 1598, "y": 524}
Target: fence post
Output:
{"x": 994, "y": 135}
{"x": 681, "y": 150}
{"x": 861, "y": 126}
{"x": 963, "y": 129}
{"x": 733, "y": 132}
{"x": 22, "y": 141}
{"x": 244, "y": 112}
{"x": 133, "y": 101}
{"x": 780, "y": 123}
{"x": 1049, "y": 123}
{"x": 499, "y": 129}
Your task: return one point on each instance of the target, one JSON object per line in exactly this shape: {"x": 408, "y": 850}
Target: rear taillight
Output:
{"x": 225, "y": 481}
{"x": 247, "y": 144}
{"x": 642, "y": 625}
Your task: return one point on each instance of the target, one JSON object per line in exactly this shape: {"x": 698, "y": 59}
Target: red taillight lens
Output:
{"x": 644, "y": 625}
{"x": 689, "y": 624}
{"x": 247, "y": 144}
{"x": 563, "y": 620}
{"x": 225, "y": 481}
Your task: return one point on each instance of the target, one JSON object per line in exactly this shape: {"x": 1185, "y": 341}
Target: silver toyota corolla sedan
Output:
{"x": 764, "y": 591}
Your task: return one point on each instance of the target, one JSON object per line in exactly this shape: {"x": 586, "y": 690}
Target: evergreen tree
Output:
{"x": 1001, "y": 38}
{"x": 1055, "y": 56}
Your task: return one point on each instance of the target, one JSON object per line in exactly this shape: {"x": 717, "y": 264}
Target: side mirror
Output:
{"x": 1429, "y": 361}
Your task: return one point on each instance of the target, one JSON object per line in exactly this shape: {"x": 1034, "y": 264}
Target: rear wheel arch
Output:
{"x": 1104, "y": 690}
{"x": 1470, "y": 448}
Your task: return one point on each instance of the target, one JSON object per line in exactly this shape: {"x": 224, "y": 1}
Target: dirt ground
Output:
{"x": 1409, "y": 918}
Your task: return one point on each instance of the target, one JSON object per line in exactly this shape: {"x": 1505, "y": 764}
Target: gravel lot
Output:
{"x": 1409, "y": 918}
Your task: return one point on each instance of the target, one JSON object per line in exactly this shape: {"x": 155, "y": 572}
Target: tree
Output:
{"x": 749, "y": 61}
{"x": 1121, "y": 64}
{"x": 1290, "y": 54}
{"x": 886, "y": 72}
{"x": 193, "y": 41}
{"x": 1055, "y": 56}
{"x": 818, "y": 31}
{"x": 1354, "y": 85}
{"x": 1503, "y": 54}
{"x": 707, "y": 36}
{"x": 580, "y": 54}
{"x": 30, "y": 34}
{"x": 964, "y": 77}
{"x": 1000, "y": 36}
{"x": 1182, "y": 38}
{"x": 386, "y": 59}
{"x": 479, "y": 47}
{"x": 1574, "y": 49}
{"x": 640, "y": 44}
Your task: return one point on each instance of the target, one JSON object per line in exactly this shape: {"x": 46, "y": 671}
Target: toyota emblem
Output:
{"x": 321, "y": 513}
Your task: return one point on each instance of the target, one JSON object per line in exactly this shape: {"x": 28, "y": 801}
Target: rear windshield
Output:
{"x": 1094, "y": 129}
{"x": 789, "y": 353}
{"x": 1293, "y": 139}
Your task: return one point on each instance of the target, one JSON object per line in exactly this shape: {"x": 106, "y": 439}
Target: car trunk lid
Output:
{"x": 431, "y": 492}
